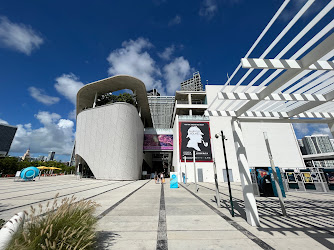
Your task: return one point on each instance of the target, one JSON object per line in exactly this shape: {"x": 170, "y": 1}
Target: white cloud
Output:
{"x": 208, "y": 8}
{"x": 175, "y": 73}
{"x": 68, "y": 85}
{"x": 72, "y": 115}
{"x": 3, "y": 122}
{"x": 321, "y": 129}
{"x": 56, "y": 134}
{"x": 38, "y": 95}
{"x": 176, "y": 20}
{"x": 46, "y": 118}
{"x": 294, "y": 6}
{"x": 132, "y": 60}
{"x": 304, "y": 129}
{"x": 18, "y": 37}
{"x": 301, "y": 128}
{"x": 167, "y": 53}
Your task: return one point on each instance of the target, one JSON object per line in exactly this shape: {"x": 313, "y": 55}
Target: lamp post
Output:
{"x": 227, "y": 173}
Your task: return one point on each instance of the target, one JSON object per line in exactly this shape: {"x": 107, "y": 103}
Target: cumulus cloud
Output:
{"x": 56, "y": 134}
{"x": 304, "y": 129}
{"x": 3, "y": 122}
{"x": 40, "y": 96}
{"x": 18, "y": 37}
{"x": 294, "y": 6}
{"x": 68, "y": 85}
{"x": 72, "y": 115}
{"x": 167, "y": 53}
{"x": 132, "y": 60}
{"x": 176, "y": 20}
{"x": 208, "y": 8}
{"x": 175, "y": 73}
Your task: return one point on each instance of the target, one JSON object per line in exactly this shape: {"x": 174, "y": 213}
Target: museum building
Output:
{"x": 124, "y": 141}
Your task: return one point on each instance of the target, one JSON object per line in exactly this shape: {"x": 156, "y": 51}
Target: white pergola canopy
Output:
{"x": 295, "y": 84}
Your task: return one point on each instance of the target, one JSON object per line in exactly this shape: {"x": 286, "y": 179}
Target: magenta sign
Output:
{"x": 158, "y": 142}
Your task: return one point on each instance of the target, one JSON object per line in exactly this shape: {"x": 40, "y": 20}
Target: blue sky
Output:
{"x": 49, "y": 49}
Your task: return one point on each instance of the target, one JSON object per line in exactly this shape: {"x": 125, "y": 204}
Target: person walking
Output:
{"x": 162, "y": 178}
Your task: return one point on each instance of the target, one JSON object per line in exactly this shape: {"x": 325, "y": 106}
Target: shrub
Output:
{"x": 68, "y": 226}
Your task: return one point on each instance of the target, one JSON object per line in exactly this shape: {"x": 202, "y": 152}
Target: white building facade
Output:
{"x": 282, "y": 139}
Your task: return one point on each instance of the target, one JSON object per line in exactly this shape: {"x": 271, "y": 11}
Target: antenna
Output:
{"x": 228, "y": 79}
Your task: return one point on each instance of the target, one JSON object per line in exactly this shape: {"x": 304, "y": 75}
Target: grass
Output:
{"x": 71, "y": 225}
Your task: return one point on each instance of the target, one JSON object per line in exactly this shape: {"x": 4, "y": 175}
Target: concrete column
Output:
{"x": 189, "y": 99}
{"x": 246, "y": 181}
{"x": 94, "y": 104}
{"x": 331, "y": 128}
{"x": 190, "y": 112}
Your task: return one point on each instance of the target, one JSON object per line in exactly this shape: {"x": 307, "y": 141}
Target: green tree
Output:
{"x": 8, "y": 165}
{"x": 110, "y": 98}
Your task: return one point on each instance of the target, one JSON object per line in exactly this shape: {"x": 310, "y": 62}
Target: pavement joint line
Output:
{"x": 295, "y": 219}
{"x": 36, "y": 202}
{"x": 241, "y": 229}
{"x": 92, "y": 196}
{"x": 289, "y": 219}
{"x": 41, "y": 192}
{"x": 105, "y": 212}
{"x": 162, "y": 240}
{"x": 38, "y": 185}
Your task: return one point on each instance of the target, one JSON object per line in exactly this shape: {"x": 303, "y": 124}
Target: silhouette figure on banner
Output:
{"x": 195, "y": 136}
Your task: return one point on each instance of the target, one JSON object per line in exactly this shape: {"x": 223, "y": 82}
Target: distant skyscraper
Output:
{"x": 193, "y": 84}
{"x": 51, "y": 156}
{"x": 7, "y": 134}
{"x": 301, "y": 146}
{"x": 317, "y": 144}
{"x": 26, "y": 156}
{"x": 40, "y": 158}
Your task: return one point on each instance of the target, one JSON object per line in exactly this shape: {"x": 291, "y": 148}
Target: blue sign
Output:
{"x": 280, "y": 182}
{"x": 173, "y": 180}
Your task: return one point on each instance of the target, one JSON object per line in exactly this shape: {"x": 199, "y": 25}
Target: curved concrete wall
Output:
{"x": 110, "y": 139}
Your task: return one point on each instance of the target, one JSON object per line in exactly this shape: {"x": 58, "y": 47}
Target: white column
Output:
{"x": 189, "y": 99}
{"x": 331, "y": 128}
{"x": 246, "y": 181}
{"x": 190, "y": 112}
{"x": 94, "y": 104}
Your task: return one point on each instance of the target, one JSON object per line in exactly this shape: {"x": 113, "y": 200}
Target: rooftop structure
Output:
{"x": 193, "y": 84}
{"x": 161, "y": 110}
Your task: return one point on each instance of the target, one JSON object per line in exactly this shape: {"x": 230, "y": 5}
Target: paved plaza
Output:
{"x": 145, "y": 215}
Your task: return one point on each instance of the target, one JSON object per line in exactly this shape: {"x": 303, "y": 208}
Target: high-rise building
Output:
{"x": 332, "y": 141}
{"x": 51, "y": 156}
{"x": 317, "y": 144}
{"x": 193, "y": 84}
{"x": 161, "y": 108}
{"x": 7, "y": 134}
{"x": 301, "y": 146}
{"x": 40, "y": 158}
{"x": 26, "y": 156}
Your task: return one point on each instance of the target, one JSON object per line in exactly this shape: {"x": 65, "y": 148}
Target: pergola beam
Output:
{"x": 275, "y": 115}
{"x": 272, "y": 97}
{"x": 316, "y": 54}
{"x": 310, "y": 105}
{"x": 257, "y": 63}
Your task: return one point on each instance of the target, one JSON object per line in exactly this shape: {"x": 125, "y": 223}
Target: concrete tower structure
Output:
{"x": 109, "y": 138}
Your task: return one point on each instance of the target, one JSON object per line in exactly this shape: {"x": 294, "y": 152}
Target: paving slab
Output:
{"x": 143, "y": 215}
